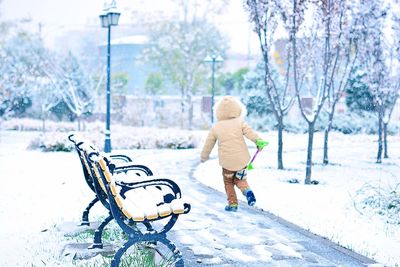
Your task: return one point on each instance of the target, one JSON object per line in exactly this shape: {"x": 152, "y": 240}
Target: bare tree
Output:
{"x": 379, "y": 59}
{"x": 71, "y": 84}
{"x": 179, "y": 46}
{"x": 48, "y": 95}
{"x": 373, "y": 58}
{"x": 263, "y": 17}
{"x": 19, "y": 69}
{"x": 394, "y": 68}
{"x": 393, "y": 96}
{"x": 319, "y": 87}
{"x": 345, "y": 50}
{"x": 45, "y": 90}
{"x": 316, "y": 32}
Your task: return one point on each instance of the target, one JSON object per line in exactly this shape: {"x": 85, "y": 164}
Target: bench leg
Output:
{"x": 97, "y": 243}
{"x": 117, "y": 257}
{"x": 171, "y": 246}
{"x": 149, "y": 227}
{"x": 85, "y": 215}
{"x": 177, "y": 254}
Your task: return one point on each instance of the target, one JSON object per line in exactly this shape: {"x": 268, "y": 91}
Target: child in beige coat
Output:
{"x": 233, "y": 153}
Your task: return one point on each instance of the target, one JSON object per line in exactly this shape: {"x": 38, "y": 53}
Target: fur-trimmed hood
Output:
{"x": 229, "y": 131}
{"x": 229, "y": 108}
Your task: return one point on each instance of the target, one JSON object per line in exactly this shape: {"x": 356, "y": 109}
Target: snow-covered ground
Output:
{"x": 37, "y": 195}
{"x": 328, "y": 209}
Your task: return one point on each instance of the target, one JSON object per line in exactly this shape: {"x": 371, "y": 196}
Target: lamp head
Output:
{"x": 110, "y": 15}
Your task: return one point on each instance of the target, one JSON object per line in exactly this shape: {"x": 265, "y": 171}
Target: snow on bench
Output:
{"x": 141, "y": 200}
{"x": 133, "y": 197}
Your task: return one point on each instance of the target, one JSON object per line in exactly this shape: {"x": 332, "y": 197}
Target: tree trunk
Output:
{"x": 385, "y": 154}
{"x": 43, "y": 116}
{"x": 326, "y": 137}
{"x": 280, "y": 144}
{"x": 380, "y": 123}
{"x": 182, "y": 113}
{"x": 311, "y": 127}
{"x": 43, "y": 125}
{"x": 190, "y": 115}
{"x": 183, "y": 108}
{"x": 79, "y": 123}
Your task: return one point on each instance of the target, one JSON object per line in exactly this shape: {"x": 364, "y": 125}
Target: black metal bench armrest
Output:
{"x": 123, "y": 158}
{"x": 153, "y": 182}
{"x": 187, "y": 207}
{"x": 133, "y": 167}
{"x": 116, "y": 157}
{"x": 71, "y": 137}
{"x": 78, "y": 146}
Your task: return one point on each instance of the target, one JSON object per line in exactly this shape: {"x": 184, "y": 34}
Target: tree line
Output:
{"x": 329, "y": 48}
{"x": 327, "y": 43}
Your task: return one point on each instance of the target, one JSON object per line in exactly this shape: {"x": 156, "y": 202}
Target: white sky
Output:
{"x": 58, "y": 15}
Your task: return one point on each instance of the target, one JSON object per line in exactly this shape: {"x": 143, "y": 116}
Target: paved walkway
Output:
{"x": 209, "y": 236}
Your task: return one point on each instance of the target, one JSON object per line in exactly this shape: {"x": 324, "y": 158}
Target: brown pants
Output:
{"x": 230, "y": 181}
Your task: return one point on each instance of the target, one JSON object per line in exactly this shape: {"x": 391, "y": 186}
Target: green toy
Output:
{"x": 260, "y": 145}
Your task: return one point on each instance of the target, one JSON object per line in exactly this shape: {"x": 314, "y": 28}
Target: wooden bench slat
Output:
{"x": 146, "y": 199}
{"x": 131, "y": 194}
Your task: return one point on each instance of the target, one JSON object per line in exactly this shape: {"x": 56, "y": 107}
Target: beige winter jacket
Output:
{"x": 229, "y": 131}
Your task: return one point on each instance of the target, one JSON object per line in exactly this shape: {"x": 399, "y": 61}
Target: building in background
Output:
{"x": 126, "y": 57}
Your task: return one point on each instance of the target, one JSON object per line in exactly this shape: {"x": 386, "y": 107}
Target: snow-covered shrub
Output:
{"x": 262, "y": 123}
{"x": 122, "y": 137}
{"x": 51, "y": 142}
{"x": 176, "y": 142}
{"x": 268, "y": 123}
{"x": 358, "y": 94}
{"x": 383, "y": 201}
{"x": 361, "y": 122}
{"x": 297, "y": 126}
{"x": 254, "y": 97}
{"x": 22, "y": 125}
{"x": 26, "y": 124}
{"x": 257, "y": 104}
{"x": 347, "y": 123}
{"x": 353, "y": 123}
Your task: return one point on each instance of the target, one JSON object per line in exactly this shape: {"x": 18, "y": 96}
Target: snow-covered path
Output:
{"x": 42, "y": 190}
{"x": 210, "y": 236}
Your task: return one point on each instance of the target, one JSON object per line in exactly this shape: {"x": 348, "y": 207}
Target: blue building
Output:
{"x": 126, "y": 57}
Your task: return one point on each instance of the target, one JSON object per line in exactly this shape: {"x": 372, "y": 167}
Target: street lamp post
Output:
{"x": 109, "y": 17}
{"x": 213, "y": 59}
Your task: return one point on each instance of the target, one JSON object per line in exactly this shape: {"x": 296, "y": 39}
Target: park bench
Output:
{"x": 125, "y": 164}
{"x": 144, "y": 207}
{"x": 77, "y": 140}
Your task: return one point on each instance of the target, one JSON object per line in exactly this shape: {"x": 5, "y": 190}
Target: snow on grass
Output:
{"x": 327, "y": 209}
{"x": 331, "y": 208}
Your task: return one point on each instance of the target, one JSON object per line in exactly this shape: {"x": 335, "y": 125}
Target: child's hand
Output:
{"x": 261, "y": 144}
